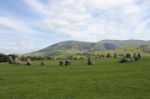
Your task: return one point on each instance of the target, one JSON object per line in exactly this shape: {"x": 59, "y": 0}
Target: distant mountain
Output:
{"x": 71, "y": 47}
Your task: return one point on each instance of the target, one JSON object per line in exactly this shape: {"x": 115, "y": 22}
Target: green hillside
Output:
{"x": 73, "y": 47}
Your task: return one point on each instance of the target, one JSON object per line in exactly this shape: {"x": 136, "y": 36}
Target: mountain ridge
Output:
{"x": 72, "y": 46}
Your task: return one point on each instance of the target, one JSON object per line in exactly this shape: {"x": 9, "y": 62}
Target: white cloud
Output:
{"x": 16, "y": 25}
{"x": 75, "y": 17}
{"x": 7, "y": 22}
{"x": 16, "y": 45}
{"x": 36, "y": 5}
{"x": 12, "y": 34}
{"x": 108, "y": 4}
{"x": 88, "y": 20}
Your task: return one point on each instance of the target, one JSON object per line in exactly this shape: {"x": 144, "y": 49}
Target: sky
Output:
{"x": 30, "y": 25}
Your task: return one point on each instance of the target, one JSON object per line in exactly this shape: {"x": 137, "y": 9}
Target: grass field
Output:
{"x": 107, "y": 79}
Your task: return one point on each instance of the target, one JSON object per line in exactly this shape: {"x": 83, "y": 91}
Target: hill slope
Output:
{"x": 71, "y": 47}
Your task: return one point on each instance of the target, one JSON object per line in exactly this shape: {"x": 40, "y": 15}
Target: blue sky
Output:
{"x": 29, "y": 25}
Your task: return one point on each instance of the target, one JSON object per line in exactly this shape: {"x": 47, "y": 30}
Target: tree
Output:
{"x": 3, "y": 57}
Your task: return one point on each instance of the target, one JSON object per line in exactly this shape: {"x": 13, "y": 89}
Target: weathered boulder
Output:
{"x": 29, "y": 62}
{"x": 115, "y": 55}
{"x": 67, "y": 62}
{"x": 61, "y": 63}
{"x": 136, "y": 58}
{"x": 128, "y": 55}
{"x": 17, "y": 61}
{"x": 42, "y": 63}
{"x": 10, "y": 60}
{"x": 108, "y": 55}
{"x": 134, "y": 55}
{"x": 123, "y": 60}
{"x": 139, "y": 55}
{"x": 90, "y": 60}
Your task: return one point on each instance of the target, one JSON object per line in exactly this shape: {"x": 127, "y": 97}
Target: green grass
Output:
{"x": 107, "y": 79}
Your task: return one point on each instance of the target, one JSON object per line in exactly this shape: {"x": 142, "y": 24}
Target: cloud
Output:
{"x": 87, "y": 18}
{"x": 15, "y": 25}
{"x": 36, "y": 5}
{"x": 11, "y": 23}
{"x": 16, "y": 45}
{"x": 16, "y": 35}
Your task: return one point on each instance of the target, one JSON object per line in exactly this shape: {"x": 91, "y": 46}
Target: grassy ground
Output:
{"x": 107, "y": 79}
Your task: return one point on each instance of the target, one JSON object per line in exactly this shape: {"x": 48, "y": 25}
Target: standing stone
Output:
{"x": 122, "y": 60}
{"x": 128, "y": 55}
{"x": 90, "y": 60}
{"x": 67, "y": 62}
{"x": 29, "y": 62}
{"x": 42, "y": 63}
{"x": 61, "y": 63}
{"x": 115, "y": 55}
{"x": 102, "y": 56}
{"x": 17, "y": 61}
{"x": 139, "y": 55}
{"x": 134, "y": 55}
{"x": 108, "y": 55}
{"x": 10, "y": 60}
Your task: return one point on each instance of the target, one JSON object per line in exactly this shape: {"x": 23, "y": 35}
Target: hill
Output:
{"x": 72, "y": 47}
